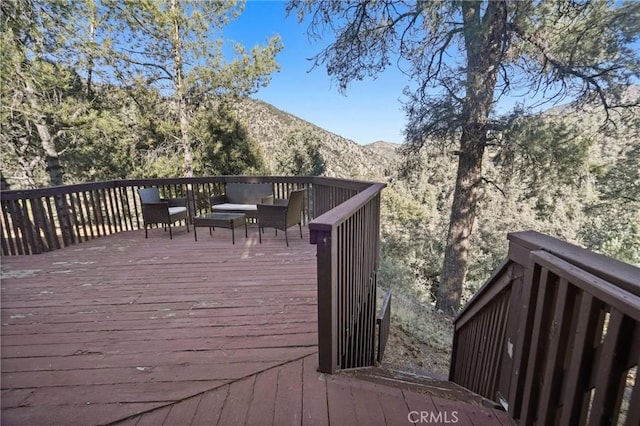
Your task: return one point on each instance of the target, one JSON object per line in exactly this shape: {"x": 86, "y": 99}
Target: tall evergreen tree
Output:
{"x": 177, "y": 47}
{"x": 46, "y": 51}
{"x": 300, "y": 155}
{"x": 225, "y": 146}
{"x": 29, "y": 43}
{"x": 465, "y": 56}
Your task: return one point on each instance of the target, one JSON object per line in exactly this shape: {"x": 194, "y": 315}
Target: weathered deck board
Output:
{"x": 123, "y": 324}
{"x": 344, "y": 400}
{"x": 157, "y": 331}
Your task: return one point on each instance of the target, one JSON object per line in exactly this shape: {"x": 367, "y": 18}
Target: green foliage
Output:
{"x": 300, "y": 155}
{"x": 38, "y": 94}
{"x": 559, "y": 173}
{"x": 414, "y": 226}
{"x": 543, "y": 144}
{"x": 166, "y": 60}
{"x": 613, "y": 224}
{"x": 225, "y": 146}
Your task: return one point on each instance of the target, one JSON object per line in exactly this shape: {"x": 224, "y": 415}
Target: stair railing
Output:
{"x": 554, "y": 336}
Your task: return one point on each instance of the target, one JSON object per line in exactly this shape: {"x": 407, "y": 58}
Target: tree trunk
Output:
{"x": 92, "y": 44}
{"x": 483, "y": 42}
{"x": 179, "y": 94}
{"x": 54, "y": 168}
{"x": 4, "y": 185}
{"x": 186, "y": 141}
{"x": 462, "y": 218}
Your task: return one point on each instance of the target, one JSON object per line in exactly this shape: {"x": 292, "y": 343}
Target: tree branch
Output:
{"x": 495, "y": 185}
{"x": 591, "y": 80}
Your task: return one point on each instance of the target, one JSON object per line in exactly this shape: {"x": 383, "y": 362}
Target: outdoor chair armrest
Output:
{"x": 160, "y": 204}
{"x": 176, "y": 202}
{"x": 272, "y": 208}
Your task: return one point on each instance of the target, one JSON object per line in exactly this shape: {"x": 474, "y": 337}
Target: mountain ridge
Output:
{"x": 270, "y": 126}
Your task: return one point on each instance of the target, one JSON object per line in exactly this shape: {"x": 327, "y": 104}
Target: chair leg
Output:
{"x": 300, "y": 226}
{"x": 286, "y": 238}
{"x": 170, "y": 235}
{"x": 260, "y": 234}
{"x": 146, "y": 231}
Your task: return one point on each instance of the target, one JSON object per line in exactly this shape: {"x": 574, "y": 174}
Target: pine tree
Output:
{"x": 177, "y": 47}
{"x": 465, "y": 56}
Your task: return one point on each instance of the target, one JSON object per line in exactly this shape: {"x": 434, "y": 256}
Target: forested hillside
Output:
{"x": 559, "y": 172}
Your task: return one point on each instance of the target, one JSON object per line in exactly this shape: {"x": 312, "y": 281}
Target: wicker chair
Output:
{"x": 157, "y": 210}
{"x": 282, "y": 216}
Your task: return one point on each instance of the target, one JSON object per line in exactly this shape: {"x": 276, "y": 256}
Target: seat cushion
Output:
{"x": 176, "y": 210}
{"x": 237, "y": 207}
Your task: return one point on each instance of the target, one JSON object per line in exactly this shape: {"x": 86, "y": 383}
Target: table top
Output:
{"x": 222, "y": 216}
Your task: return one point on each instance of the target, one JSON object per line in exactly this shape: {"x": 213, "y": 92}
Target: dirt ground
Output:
{"x": 422, "y": 343}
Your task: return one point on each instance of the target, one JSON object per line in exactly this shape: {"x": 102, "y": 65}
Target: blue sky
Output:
{"x": 369, "y": 111}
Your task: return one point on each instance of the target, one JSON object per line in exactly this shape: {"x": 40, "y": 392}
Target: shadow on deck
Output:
{"x": 157, "y": 331}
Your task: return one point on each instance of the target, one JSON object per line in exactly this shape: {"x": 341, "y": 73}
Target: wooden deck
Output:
{"x": 129, "y": 330}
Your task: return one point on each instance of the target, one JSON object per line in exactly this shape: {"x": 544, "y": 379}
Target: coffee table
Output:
{"x": 221, "y": 220}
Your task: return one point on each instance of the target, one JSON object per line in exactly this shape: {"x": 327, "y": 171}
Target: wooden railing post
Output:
{"x": 327, "y": 300}
{"x": 347, "y": 237}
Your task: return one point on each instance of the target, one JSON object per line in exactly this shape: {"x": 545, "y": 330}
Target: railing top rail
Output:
{"x": 624, "y": 301}
{"x": 214, "y": 179}
{"x": 19, "y": 194}
{"x": 334, "y": 217}
{"x": 486, "y": 293}
{"x": 357, "y": 185}
{"x": 49, "y": 191}
{"x": 619, "y": 273}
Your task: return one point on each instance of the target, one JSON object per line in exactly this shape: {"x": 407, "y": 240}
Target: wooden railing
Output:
{"x": 345, "y": 223}
{"x": 41, "y": 220}
{"x": 348, "y": 247}
{"x": 554, "y": 336}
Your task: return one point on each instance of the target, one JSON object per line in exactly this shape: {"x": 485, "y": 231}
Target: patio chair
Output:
{"x": 282, "y": 216}
{"x": 157, "y": 210}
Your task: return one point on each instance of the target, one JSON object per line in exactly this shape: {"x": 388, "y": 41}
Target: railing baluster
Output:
{"x": 633, "y": 415}
{"x": 82, "y": 218}
{"x": 6, "y": 242}
{"x": 576, "y": 383}
{"x": 609, "y": 370}
{"x": 50, "y": 225}
{"x": 74, "y": 218}
{"x": 555, "y": 354}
